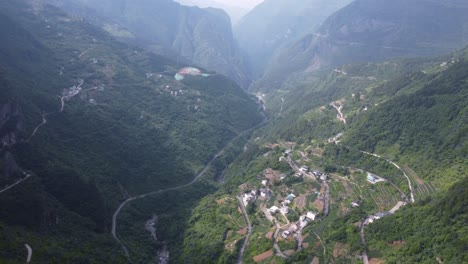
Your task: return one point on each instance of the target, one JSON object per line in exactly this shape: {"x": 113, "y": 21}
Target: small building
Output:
{"x": 311, "y": 216}
{"x": 324, "y": 177}
{"x": 282, "y": 159}
{"x": 283, "y": 176}
{"x": 286, "y": 234}
{"x": 264, "y": 182}
{"x": 371, "y": 178}
{"x": 298, "y": 175}
{"x": 317, "y": 173}
{"x": 294, "y": 227}
{"x": 248, "y": 198}
{"x": 355, "y": 204}
{"x": 274, "y": 209}
{"x": 264, "y": 192}
{"x": 377, "y": 216}
{"x": 288, "y": 152}
{"x": 291, "y": 197}
{"x": 284, "y": 210}
{"x": 304, "y": 169}
{"x": 380, "y": 215}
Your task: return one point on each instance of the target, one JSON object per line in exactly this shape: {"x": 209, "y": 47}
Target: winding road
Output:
{"x": 399, "y": 168}
{"x": 326, "y": 210}
{"x": 122, "y": 205}
{"x": 249, "y": 230}
{"x": 400, "y": 204}
{"x": 29, "y": 249}
{"x": 73, "y": 91}
{"x": 340, "y": 115}
{"x": 365, "y": 258}
{"x": 16, "y": 183}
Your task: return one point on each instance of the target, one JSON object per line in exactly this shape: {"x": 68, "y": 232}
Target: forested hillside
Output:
{"x": 87, "y": 122}
{"x": 346, "y": 153}
{"x": 433, "y": 230}
{"x": 403, "y": 120}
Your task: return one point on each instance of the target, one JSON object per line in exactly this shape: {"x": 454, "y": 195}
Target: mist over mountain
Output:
{"x": 186, "y": 34}
{"x": 275, "y": 23}
{"x": 235, "y": 12}
{"x": 373, "y": 31}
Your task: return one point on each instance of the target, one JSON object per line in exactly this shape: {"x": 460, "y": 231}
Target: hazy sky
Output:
{"x": 248, "y": 4}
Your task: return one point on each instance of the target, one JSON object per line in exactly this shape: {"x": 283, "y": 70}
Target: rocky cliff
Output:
{"x": 200, "y": 36}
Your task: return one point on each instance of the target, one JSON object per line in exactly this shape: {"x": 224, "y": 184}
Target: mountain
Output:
{"x": 404, "y": 120}
{"x": 418, "y": 241}
{"x": 201, "y": 36}
{"x": 275, "y": 23}
{"x": 372, "y": 31}
{"x": 235, "y": 12}
{"x": 87, "y": 122}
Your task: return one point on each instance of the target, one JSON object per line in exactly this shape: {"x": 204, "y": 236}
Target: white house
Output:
{"x": 264, "y": 182}
{"x": 311, "y": 216}
{"x": 247, "y": 198}
{"x": 274, "y": 209}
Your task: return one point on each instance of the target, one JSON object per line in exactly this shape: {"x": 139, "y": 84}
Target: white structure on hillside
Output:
{"x": 274, "y": 209}
{"x": 311, "y": 216}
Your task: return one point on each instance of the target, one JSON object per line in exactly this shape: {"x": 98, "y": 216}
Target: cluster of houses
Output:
{"x": 304, "y": 220}
{"x": 284, "y": 209}
{"x": 253, "y": 195}
{"x": 304, "y": 170}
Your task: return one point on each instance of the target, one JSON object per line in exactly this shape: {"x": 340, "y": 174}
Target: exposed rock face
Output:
{"x": 185, "y": 34}
{"x": 373, "y": 30}
{"x": 10, "y": 122}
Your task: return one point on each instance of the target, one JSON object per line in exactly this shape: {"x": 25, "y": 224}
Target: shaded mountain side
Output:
{"x": 95, "y": 121}
{"x": 186, "y": 34}
{"x": 275, "y": 23}
{"x": 372, "y": 31}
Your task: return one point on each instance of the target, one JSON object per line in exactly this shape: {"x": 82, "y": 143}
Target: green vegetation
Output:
{"x": 432, "y": 230}
{"x": 131, "y": 129}
{"x": 412, "y": 112}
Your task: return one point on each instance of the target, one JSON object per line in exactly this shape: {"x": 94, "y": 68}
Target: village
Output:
{"x": 286, "y": 205}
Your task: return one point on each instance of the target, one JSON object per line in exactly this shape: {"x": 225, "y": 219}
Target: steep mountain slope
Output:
{"x": 200, "y": 36}
{"x": 275, "y": 23}
{"x": 432, "y": 231}
{"x": 235, "y": 12}
{"x": 372, "y": 31}
{"x": 403, "y": 120}
{"x": 86, "y": 122}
